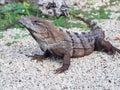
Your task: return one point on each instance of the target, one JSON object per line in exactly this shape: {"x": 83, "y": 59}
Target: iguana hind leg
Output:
{"x": 106, "y": 46}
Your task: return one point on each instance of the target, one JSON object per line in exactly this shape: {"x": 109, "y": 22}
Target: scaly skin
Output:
{"x": 66, "y": 44}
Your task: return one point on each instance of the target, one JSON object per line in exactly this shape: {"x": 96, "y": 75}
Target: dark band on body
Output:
{"x": 80, "y": 38}
{"x": 73, "y": 43}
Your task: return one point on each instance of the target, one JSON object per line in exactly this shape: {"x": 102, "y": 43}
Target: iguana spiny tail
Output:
{"x": 100, "y": 42}
{"x": 95, "y": 29}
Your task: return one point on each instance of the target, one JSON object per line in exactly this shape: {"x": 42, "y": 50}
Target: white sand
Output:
{"x": 97, "y": 71}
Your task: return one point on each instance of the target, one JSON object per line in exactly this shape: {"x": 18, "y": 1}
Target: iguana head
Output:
{"x": 37, "y": 27}
{"x": 41, "y": 30}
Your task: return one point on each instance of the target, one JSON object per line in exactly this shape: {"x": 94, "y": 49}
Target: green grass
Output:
{"x": 119, "y": 18}
{"x": 1, "y": 35}
{"x": 9, "y": 13}
{"x": 94, "y": 13}
{"x": 0, "y": 71}
{"x": 18, "y": 36}
{"x": 12, "y": 12}
{"x": 10, "y": 43}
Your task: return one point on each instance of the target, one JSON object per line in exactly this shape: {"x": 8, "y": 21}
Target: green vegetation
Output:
{"x": 10, "y": 13}
{"x": 13, "y": 11}
{"x": 114, "y": 2}
{"x": 94, "y": 13}
{"x": 10, "y": 43}
{"x": 67, "y": 24}
{"x": 1, "y": 35}
{"x": 17, "y": 36}
{"x": 119, "y": 18}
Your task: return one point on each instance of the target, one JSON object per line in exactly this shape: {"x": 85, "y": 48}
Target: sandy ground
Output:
{"x": 97, "y": 71}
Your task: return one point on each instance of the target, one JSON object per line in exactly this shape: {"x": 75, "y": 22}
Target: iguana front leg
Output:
{"x": 37, "y": 57}
{"x": 40, "y": 57}
{"x": 66, "y": 63}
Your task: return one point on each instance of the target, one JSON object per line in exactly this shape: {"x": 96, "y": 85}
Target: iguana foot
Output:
{"x": 61, "y": 69}
{"x": 37, "y": 57}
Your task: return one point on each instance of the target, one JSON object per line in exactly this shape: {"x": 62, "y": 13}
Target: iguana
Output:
{"x": 66, "y": 44}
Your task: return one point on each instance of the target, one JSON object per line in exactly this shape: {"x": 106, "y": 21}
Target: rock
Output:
{"x": 53, "y": 8}
{"x": 2, "y": 2}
